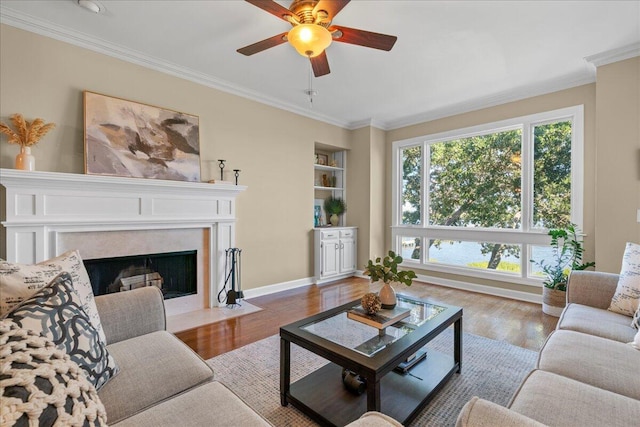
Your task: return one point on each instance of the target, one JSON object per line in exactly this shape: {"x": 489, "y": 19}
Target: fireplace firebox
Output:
{"x": 174, "y": 273}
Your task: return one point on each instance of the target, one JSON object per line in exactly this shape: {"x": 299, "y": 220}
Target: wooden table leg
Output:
{"x": 373, "y": 395}
{"x": 457, "y": 343}
{"x": 285, "y": 370}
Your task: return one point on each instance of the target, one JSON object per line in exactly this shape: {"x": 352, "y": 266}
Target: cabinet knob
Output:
{"x": 337, "y": 246}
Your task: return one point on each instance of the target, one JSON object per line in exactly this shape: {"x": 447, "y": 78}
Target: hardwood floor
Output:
{"x": 519, "y": 323}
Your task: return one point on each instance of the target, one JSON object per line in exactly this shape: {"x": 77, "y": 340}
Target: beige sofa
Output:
{"x": 162, "y": 382}
{"x": 586, "y": 373}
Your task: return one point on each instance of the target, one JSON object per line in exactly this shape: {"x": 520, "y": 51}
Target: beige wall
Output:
{"x": 582, "y": 95}
{"x": 366, "y": 179}
{"x": 41, "y": 77}
{"x": 618, "y": 161}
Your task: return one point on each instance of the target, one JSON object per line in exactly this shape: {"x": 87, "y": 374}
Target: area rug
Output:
{"x": 491, "y": 370}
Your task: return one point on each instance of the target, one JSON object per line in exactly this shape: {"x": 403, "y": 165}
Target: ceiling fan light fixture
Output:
{"x": 310, "y": 40}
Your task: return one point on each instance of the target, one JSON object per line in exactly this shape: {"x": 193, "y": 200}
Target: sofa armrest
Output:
{"x": 130, "y": 314}
{"x": 482, "y": 413}
{"x": 592, "y": 288}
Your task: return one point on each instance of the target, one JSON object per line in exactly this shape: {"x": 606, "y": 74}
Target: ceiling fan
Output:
{"x": 312, "y": 31}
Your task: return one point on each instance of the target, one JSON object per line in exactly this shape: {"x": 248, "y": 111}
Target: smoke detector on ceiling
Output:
{"x": 91, "y": 5}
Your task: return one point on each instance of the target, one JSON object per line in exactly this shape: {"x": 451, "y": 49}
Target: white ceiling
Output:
{"x": 450, "y": 57}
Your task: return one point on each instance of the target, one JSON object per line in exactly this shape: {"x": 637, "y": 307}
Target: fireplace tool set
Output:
{"x": 231, "y": 289}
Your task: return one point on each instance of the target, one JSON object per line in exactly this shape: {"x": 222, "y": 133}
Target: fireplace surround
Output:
{"x": 47, "y": 213}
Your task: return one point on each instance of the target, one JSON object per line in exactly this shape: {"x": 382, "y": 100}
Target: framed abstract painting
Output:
{"x": 129, "y": 139}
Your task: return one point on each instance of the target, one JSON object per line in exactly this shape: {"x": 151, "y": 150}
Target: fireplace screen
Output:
{"x": 174, "y": 273}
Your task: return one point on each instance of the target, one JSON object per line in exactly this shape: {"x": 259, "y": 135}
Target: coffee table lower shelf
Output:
{"x": 401, "y": 396}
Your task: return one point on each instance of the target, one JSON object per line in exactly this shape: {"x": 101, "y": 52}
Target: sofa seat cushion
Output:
{"x": 593, "y": 360}
{"x": 598, "y": 322}
{"x": 483, "y": 413}
{"x": 374, "y": 419}
{"x": 209, "y": 404}
{"x": 555, "y": 400}
{"x": 153, "y": 367}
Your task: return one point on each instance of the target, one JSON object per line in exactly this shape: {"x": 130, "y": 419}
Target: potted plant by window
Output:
{"x": 386, "y": 270}
{"x": 567, "y": 256}
{"x": 335, "y": 207}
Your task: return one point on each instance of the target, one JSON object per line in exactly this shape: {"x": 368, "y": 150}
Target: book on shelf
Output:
{"x": 381, "y": 319}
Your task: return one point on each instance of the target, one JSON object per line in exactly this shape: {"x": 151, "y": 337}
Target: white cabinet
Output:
{"x": 335, "y": 253}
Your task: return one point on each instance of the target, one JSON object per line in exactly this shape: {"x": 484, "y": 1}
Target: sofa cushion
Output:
{"x": 555, "y": 400}
{"x": 483, "y": 413}
{"x": 154, "y": 367}
{"x": 40, "y": 385}
{"x": 595, "y": 321}
{"x": 56, "y": 312}
{"x": 209, "y": 404}
{"x": 19, "y": 281}
{"x": 592, "y": 360}
{"x": 627, "y": 297}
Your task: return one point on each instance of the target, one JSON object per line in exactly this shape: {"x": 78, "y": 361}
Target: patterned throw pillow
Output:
{"x": 635, "y": 322}
{"x": 55, "y": 312}
{"x": 19, "y": 281}
{"x": 627, "y": 297}
{"x": 40, "y": 385}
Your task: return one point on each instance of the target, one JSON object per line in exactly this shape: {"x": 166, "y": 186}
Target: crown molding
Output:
{"x": 550, "y": 86}
{"x": 614, "y": 55}
{"x": 48, "y": 29}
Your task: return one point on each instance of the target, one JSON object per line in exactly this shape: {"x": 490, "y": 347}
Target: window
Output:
{"x": 479, "y": 200}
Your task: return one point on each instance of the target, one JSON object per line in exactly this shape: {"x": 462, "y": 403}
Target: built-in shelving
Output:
{"x": 329, "y": 177}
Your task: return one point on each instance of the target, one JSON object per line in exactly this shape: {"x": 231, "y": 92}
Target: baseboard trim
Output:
{"x": 473, "y": 287}
{"x": 455, "y": 284}
{"x": 277, "y": 287}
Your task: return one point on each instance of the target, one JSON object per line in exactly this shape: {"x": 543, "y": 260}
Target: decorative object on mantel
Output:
{"x": 370, "y": 302}
{"x": 236, "y": 174}
{"x": 26, "y": 135}
{"x": 386, "y": 270}
{"x": 221, "y": 165}
{"x": 567, "y": 256}
{"x": 335, "y": 207}
{"x": 129, "y": 139}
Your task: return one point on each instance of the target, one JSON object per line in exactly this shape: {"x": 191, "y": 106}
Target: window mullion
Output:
{"x": 526, "y": 199}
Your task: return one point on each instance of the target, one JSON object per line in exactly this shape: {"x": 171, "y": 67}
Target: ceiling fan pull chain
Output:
{"x": 310, "y": 92}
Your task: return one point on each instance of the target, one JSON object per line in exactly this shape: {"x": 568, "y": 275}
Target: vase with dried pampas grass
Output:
{"x": 26, "y": 135}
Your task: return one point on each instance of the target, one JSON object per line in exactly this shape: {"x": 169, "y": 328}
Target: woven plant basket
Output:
{"x": 553, "y": 301}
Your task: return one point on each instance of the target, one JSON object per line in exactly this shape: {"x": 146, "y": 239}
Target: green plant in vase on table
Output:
{"x": 386, "y": 270}
{"x": 335, "y": 207}
{"x": 567, "y": 256}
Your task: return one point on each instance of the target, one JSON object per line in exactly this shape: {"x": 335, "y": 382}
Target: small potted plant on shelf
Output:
{"x": 335, "y": 207}
{"x": 386, "y": 270}
{"x": 567, "y": 256}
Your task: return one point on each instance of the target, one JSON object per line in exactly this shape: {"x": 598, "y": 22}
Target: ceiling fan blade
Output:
{"x": 263, "y": 45}
{"x": 320, "y": 65}
{"x": 272, "y": 7}
{"x": 362, "y": 38}
{"x": 332, "y": 7}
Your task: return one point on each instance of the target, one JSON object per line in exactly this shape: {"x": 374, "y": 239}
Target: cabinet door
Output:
{"x": 347, "y": 255}
{"x": 330, "y": 258}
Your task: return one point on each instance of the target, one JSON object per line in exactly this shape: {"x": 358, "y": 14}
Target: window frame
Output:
{"x": 525, "y": 236}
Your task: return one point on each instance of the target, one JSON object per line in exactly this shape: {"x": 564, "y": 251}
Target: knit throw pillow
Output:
{"x": 635, "y": 322}
{"x": 19, "y": 281}
{"x": 627, "y": 296}
{"x": 56, "y": 313}
{"x": 40, "y": 385}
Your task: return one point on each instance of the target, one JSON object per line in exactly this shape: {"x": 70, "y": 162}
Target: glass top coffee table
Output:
{"x": 373, "y": 355}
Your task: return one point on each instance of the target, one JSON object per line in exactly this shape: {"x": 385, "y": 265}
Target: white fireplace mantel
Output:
{"x": 40, "y": 206}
